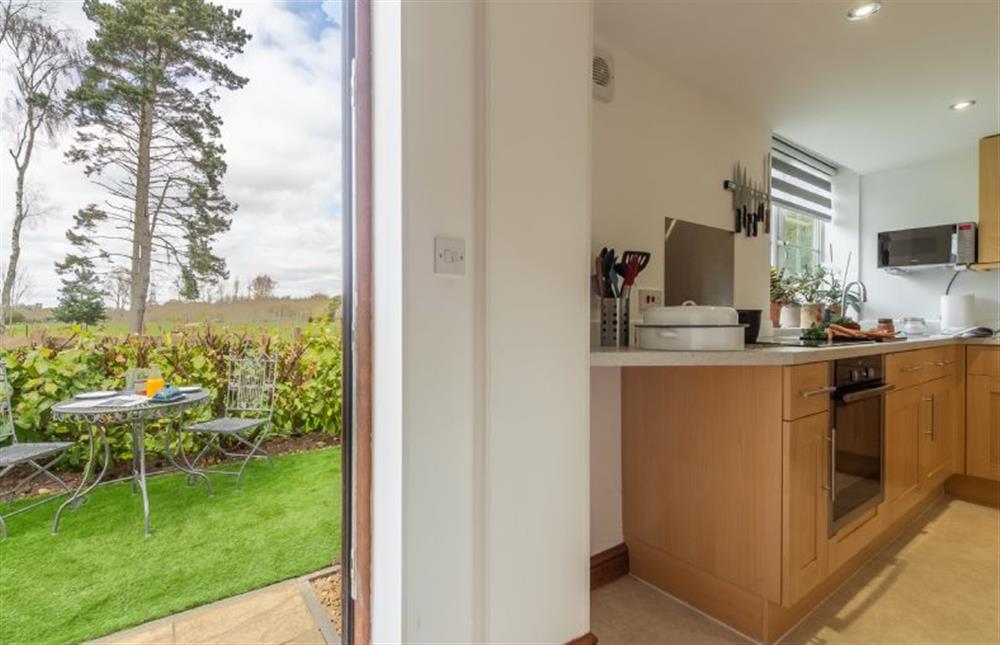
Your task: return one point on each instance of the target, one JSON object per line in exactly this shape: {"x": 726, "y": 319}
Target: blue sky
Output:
{"x": 282, "y": 136}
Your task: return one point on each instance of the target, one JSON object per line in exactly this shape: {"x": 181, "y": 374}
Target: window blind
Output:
{"x": 801, "y": 181}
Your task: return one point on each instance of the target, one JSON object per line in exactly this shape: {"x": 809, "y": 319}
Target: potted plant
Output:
{"x": 811, "y": 292}
{"x": 789, "y": 302}
{"x": 778, "y": 294}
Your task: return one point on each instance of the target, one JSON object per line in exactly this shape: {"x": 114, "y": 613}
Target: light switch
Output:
{"x": 449, "y": 256}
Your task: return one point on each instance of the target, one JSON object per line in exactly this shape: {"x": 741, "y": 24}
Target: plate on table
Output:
{"x": 101, "y": 394}
{"x": 188, "y": 389}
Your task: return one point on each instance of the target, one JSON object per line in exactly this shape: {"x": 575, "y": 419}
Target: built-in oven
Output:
{"x": 857, "y": 438}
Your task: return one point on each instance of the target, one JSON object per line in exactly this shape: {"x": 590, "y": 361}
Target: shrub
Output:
{"x": 41, "y": 375}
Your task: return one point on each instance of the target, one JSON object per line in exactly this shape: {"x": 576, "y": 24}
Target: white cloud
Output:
{"x": 282, "y": 136}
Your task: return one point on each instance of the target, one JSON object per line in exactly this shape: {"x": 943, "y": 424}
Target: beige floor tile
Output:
{"x": 938, "y": 583}
{"x": 630, "y": 611}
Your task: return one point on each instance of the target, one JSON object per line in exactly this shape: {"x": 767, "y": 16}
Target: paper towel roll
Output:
{"x": 956, "y": 311}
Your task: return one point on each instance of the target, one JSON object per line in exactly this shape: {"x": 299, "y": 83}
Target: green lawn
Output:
{"x": 100, "y": 575}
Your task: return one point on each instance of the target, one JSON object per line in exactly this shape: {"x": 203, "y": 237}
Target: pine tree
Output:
{"x": 80, "y": 297}
{"x": 149, "y": 137}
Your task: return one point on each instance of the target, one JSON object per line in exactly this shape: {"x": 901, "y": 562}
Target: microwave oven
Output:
{"x": 930, "y": 246}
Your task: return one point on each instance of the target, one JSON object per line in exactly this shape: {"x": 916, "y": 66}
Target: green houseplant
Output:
{"x": 782, "y": 292}
{"x": 812, "y": 292}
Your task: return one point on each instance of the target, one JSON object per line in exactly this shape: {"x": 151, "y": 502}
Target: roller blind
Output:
{"x": 801, "y": 181}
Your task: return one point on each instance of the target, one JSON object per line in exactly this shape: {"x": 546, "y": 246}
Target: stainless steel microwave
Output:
{"x": 931, "y": 246}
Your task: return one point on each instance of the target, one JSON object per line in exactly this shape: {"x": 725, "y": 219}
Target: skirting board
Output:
{"x": 608, "y": 565}
{"x": 971, "y": 489}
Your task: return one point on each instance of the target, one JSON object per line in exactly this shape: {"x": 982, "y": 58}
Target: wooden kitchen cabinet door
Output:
{"x": 902, "y": 426}
{"x": 989, "y": 200}
{"x": 805, "y": 505}
{"x": 936, "y": 441}
{"x": 982, "y": 429}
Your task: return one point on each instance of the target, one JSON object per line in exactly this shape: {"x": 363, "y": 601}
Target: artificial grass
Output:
{"x": 100, "y": 574}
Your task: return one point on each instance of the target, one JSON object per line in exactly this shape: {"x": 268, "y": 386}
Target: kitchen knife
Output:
{"x": 736, "y": 198}
{"x": 767, "y": 188}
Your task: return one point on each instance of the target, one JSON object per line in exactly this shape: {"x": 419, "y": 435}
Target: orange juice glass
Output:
{"x": 154, "y": 385}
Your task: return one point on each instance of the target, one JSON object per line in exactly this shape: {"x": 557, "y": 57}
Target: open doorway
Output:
{"x": 203, "y": 238}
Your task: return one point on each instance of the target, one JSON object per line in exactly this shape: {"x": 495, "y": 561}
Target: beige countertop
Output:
{"x": 767, "y": 354}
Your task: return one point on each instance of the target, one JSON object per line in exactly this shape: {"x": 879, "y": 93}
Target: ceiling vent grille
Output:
{"x": 603, "y": 76}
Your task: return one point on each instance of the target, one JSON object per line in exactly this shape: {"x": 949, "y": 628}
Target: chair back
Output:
{"x": 252, "y": 384}
{"x": 6, "y": 414}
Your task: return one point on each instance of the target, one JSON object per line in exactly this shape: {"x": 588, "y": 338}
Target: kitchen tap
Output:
{"x": 863, "y": 292}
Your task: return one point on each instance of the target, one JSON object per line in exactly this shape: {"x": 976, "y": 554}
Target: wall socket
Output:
{"x": 650, "y": 298}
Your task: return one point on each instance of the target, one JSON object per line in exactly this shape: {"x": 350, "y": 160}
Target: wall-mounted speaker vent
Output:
{"x": 603, "y": 76}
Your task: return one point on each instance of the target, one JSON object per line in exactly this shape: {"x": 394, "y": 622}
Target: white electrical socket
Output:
{"x": 449, "y": 256}
{"x": 650, "y": 298}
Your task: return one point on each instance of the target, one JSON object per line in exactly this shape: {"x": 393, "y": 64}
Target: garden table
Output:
{"x": 100, "y": 414}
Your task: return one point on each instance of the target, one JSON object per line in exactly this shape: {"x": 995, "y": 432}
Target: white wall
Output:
{"x": 538, "y": 213}
{"x": 605, "y": 458}
{"x": 481, "y": 504}
{"x": 844, "y": 232}
{"x": 941, "y": 191}
{"x": 662, "y": 149}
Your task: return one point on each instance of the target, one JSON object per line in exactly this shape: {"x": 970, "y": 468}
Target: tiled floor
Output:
{"x": 938, "y": 583}
{"x": 282, "y": 613}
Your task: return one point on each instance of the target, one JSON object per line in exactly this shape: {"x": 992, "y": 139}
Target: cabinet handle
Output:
{"x": 833, "y": 464}
{"x": 930, "y": 432}
{"x": 911, "y": 368}
{"x": 805, "y": 394}
{"x": 944, "y": 363}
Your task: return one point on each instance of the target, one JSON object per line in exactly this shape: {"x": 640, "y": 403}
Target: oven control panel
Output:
{"x": 863, "y": 370}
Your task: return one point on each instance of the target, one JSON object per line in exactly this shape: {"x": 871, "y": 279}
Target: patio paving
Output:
{"x": 286, "y": 612}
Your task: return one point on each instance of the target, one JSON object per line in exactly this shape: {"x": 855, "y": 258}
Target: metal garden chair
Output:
{"x": 250, "y": 396}
{"x": 16, "y": 454}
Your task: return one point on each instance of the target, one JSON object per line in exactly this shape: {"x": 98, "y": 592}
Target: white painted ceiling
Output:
{"x": 870, "y": 95}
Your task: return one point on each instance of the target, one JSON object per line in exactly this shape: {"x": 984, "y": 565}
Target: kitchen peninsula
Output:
{"x": 755, "y": 482}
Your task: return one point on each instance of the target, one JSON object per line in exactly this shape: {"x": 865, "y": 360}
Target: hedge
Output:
{"x": 41, "y": 375}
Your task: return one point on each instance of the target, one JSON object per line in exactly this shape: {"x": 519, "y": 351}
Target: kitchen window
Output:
{"x": 798, "y": 240}
{"x": 802, "y": 194}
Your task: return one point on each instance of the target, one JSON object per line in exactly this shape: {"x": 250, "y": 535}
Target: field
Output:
{"x": 277, "y": 315}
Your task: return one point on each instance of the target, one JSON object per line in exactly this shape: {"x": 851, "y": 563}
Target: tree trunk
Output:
{"x": 19, "y": 215}
{"x": 142, "y": 235}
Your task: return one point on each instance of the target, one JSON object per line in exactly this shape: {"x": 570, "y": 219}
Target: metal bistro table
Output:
{"x": 99, "y": 417}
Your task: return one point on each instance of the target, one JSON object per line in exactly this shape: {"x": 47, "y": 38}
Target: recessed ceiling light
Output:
{"x": 864, "y": 11}
{"x": 962, "y": 105}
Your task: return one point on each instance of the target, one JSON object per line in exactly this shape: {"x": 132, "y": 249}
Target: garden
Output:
{"x": 100, "y": 574}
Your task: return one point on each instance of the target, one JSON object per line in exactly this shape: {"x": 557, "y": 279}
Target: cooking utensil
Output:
{"x": 692, "y": 328}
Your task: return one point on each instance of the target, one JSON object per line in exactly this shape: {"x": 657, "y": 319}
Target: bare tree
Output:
{"x": 10, "y": 11}
{"x": 42, "y": 61}
{"x": 23, "y": 287}
{"x": 262, "y": 287}
{"x": 119, "y": 286}
{"x": 236, "y": 289}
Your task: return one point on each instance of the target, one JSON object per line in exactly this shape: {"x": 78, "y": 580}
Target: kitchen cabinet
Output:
{"x": 805, "y": 505}
{"x": 983, "y": 427}
{"x": 936, "y": 442}
{"x": 902, "y": 468}
{"x": 982, "y": 409}
{"x": 989, "y": 201}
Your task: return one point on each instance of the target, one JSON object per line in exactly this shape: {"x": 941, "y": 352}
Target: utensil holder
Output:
{"x": 614, "y": 322}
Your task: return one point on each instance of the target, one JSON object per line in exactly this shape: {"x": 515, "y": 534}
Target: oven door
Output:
{"x": 857, "y": 454}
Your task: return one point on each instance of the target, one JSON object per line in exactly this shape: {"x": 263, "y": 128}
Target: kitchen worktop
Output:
{"x": 766, "y": 355}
